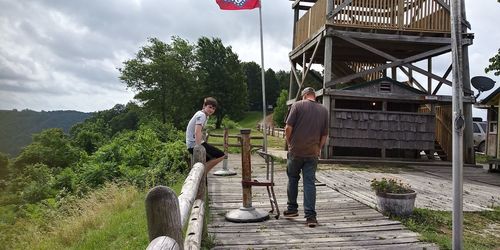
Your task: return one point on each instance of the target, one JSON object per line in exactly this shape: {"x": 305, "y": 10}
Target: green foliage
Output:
{"x": 281, "y": 110}
{"x": 253, "y": 75}
{"x": 4, "y": 163}
{"x": 436, "y": 227}
{"x": 162, "y": 74}
{"x": 253, "y": 80}
{"x": 140, "y": 158}
{"x": 494, "y": 64}
{"x": 390, "y": 186}
{"x": 37, "y": 186}
{"x": 230, "y": 124}
{"x": 50, "y": 147}
{"x": 220, "y": 75}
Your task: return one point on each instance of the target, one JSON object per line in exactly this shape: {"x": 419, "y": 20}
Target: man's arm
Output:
{"x": 198, "y": 136}
{"x": 288, "y": 133}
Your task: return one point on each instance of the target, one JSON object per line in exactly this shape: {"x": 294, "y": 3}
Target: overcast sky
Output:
{"x": 64, "y": 55}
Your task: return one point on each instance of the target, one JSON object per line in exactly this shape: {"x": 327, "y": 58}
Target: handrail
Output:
{"x": 168, "y": 214}
{"x": 401, "y": 15}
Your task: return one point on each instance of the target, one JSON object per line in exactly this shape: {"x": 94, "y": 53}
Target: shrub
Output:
{"x": 390, "y": 186}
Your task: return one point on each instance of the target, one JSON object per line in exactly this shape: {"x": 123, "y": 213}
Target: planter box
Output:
{"x": 396, "y": 204}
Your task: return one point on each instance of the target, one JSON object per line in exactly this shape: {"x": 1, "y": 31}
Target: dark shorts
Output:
{"x": 212, "y": 152}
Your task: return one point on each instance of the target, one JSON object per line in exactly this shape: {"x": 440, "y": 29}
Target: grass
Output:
{"x": 482, "y": 158}
{"x": 481, "y": 229}
{"x": 110, "y": 218}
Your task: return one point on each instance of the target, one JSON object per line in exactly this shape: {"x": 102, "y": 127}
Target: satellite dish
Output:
{"x": 482, "y": 83}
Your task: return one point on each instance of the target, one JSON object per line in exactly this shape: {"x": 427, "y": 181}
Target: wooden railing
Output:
{"x": 227, "y": 143}
{"x": 168, "y": 214}
{"x": 272, "y": 130}
{"x": 402, "y": 15}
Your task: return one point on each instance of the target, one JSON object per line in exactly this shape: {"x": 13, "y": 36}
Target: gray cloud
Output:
{"x": 59, "y": 54}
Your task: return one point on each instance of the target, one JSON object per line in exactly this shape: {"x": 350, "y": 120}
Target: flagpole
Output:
{"x": 263, "y": 79}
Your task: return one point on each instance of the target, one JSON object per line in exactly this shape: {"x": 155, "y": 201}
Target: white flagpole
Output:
{"x": 263, "y": 79}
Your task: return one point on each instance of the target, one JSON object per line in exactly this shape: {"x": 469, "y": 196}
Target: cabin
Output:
{"x": 492, "y": 104}
{"x": 377, "y": 62}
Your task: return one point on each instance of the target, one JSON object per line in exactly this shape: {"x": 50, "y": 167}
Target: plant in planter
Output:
{"x": 393, "y": 196}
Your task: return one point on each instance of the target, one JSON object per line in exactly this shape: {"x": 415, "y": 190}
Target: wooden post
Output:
{"x": 163, "y": 242}
{"x": 163, "y": 214}
{"x": 246, "y": 168}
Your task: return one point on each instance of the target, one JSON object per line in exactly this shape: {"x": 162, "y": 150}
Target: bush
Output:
{"x": 390, "y": 186}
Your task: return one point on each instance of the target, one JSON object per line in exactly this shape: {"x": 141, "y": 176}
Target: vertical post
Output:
{"x": 328, "y": 68}
{"x": 163, "y": 214}
{"x": 246, "y": 167}
{"x": 225, "y": 171}
{"x": 199, "y": 155}
{"x": 246, "y": 213}
{"x": 470, "y": 155}
{"x": 458, "y": 123}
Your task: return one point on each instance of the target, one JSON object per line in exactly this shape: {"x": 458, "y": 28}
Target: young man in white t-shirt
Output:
{"x": 194, "y": 134}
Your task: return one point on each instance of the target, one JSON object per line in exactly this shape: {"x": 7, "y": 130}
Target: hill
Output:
{"x": 17, "y": 127}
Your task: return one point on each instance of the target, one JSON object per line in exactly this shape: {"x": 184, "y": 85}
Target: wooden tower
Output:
{"x": 363, "y": 41}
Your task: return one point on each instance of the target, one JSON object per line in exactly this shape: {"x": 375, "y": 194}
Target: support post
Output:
{"x": 163, "y": 214}
{"x": 225, "y": 171}
{"x": 458, "y": 124}
{"x": 246, "y": 213}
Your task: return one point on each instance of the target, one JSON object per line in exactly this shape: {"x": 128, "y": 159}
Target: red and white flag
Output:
{"x": 238, "y": 4}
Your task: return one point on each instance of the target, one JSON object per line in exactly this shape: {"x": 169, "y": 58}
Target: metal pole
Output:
{"x": 458, "y": 122}
{"x": 263, "y": 79}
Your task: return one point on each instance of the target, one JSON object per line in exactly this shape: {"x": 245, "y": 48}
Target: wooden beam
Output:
{"x": 410, "y": 59}
{"x": 448, "y": 71}
{"x": 397, "y": 38}
{"x": 307, "y": 45}
{"x": 413, "y": 80}
{"x": 424, "y": 72}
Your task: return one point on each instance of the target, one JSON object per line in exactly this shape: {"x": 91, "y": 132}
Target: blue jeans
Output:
{"x": 308, "y": 167}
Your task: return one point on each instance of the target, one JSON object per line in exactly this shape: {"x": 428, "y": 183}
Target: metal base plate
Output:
{"x": 224, "y": 172}
{"x": 249, "y": 214}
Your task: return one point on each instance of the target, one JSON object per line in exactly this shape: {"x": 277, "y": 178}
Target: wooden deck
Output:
{"x": 344, "y": 223}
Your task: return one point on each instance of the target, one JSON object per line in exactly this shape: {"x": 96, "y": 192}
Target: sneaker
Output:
{"x": 311, "y": 222}
{"x": 289, "y": 213}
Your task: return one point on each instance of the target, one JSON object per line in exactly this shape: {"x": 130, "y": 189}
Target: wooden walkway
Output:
{"x": 344, "y": 223}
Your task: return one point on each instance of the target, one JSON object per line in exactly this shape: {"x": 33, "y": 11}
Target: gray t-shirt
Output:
{"x": 309, "y": 121}
{"x": 199, "y": 118}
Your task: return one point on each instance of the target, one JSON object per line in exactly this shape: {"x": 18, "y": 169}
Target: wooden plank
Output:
{"x": 343, "y": 222}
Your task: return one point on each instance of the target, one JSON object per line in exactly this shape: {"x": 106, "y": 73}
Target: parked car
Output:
{"x": 479, "y": 134}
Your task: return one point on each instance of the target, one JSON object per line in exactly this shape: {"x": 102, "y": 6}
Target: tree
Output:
{"x": 220, "y": 74}
{"x": 495, "y": 64}
{"x": 50, "y": 147}
{"x": 162, "y": 75}
{"x": 281, "y": 110}
{"x": 272, "y": 87}
{"x": 254, "y": 85}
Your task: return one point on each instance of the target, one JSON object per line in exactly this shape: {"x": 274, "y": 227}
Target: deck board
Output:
{"x": 344, "y": 223}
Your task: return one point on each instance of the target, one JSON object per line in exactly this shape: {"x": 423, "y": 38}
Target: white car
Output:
{"x": 479, "y": 134}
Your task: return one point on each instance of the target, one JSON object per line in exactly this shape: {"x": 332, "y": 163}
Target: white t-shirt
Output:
{"x": 199, "y": 118}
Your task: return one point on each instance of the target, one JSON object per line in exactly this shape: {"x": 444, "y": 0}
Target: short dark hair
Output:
{"x": 210, "y": 101}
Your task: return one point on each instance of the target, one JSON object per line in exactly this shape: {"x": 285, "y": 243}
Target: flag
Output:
{"x": 238, "y": 4}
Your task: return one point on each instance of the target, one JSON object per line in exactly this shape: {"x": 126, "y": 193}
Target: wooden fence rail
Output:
{"x": 227, "y": 136}
{"x": 273, "y": 131}
{"x": 167, "y": 214}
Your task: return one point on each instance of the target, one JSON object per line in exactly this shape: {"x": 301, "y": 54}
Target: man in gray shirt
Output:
{"x": 306, "y": 132}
